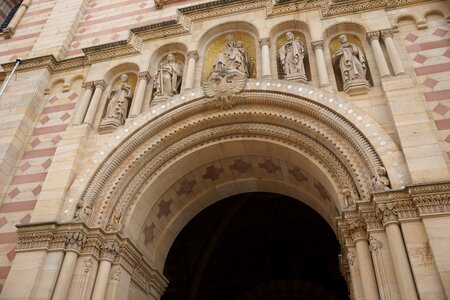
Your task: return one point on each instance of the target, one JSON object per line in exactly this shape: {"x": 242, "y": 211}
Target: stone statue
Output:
{"x": 350, "y": 60}
{"x": 291, "y": 55}
{"x": 229, "y": 74}
{"x": 380, "y": 182}
{"x": 233, "y": 57}
{"x": 168, "y": 78}
{"x": 118, "y": 101}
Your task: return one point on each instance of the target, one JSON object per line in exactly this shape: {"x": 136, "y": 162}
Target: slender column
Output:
{"x": 265, "y": 54}
{"x": 74, "y": 243}
{"x": 359, "y": 235}
{"x": 397, "y": 65}
{"x": 190, "y": 77}
{"x": 136, "y": 105}
{"x": 357, "y": 293}
{"x": 109, "y": 250}
{"x": 375, "y": 247}
{"x": 11, "y": 28}
{"x": 321, "y": 65}
{"x": 374, "y": 40}
{"x": 402, "y": 268}
{"x": 84, "y": 103}
{"x": 90, "y": 115}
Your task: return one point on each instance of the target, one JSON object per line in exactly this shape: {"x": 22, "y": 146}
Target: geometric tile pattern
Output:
{"x": 429, "y": 51}
{"x": 218, "y": 173}
{"x": 26, "y": 184}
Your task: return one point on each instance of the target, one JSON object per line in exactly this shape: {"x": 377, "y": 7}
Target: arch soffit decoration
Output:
{"x": 345, "y": 27}
{"x": 293, "y": 25}
{"x": 114, "y": 72}
{"x": 296, "y": 107}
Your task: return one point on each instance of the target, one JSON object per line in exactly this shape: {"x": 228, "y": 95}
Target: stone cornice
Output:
{"x": 94, "y": 241}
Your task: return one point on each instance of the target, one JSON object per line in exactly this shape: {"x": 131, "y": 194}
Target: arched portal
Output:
{"x": 255, "y": 246}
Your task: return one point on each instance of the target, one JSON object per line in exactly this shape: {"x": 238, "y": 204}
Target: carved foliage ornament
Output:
{"x": 75, "y": 240}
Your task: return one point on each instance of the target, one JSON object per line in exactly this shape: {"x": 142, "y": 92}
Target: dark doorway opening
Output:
{"x": 255, "y": 246}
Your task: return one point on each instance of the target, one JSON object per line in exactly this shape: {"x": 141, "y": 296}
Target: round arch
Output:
{"x": 291, "y": 123}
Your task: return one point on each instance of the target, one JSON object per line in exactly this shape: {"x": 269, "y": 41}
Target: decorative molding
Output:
{"x": 96, "y": 244}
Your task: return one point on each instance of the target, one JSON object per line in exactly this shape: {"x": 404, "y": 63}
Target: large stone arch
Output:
{"x": 342, "y": 146}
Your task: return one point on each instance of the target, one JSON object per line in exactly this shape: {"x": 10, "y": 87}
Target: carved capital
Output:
{"x": 373, "y": 35}
{"x": 100, "y": 84}
{"x": 75, "y": 241}
{"x": 317, "y": 45}
{"x": 144, "y": 76}
{"x": 357, "y": 229}
{"x": 109, "y": 250}
{"x": 88, "y": 85}
{"x": 193, "y": 54}
{"x": 351, "y": 257}
{"x": 434, "y": 204}
{"x": 385, "y": 33}
{"x": 264, "y": 42}
{"x": 374, "y": 244}
{"x": 388, "y": 213}
{"x": 8, "y": 32}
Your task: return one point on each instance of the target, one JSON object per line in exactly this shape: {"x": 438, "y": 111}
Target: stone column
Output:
{"x": 402, "y": 269}
{"x": 90, "y": 115}
{"x": 396, "y": 63}
{"x": 109, "y": 251}
{"x": 136, "y": 104}
{"x": 359, "y": 234}
{"x": 74, "y": 243}
{"x": 375, "y": 247}
{"x": 190, "y": 76}
{"x": 357, "y": 291}
{"x": 321, "y": 65}
{"x": 11, "y": 28}
{"x": 374, "y": 40}
{"x": 84, "y": 103}
{"x": 265, "y": 54}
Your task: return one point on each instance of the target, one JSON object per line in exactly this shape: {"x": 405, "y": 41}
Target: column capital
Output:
{"x": 357, "y": 229}
{"x": 264, "y": 41}
{"x": 144, "y": 75}
{"x": 88, "y": 85}
{"x": 373, "y": 35}
{"x": 317, "y": 44}
{"x": 193, "y": 54}
{"x": 385, "y": 33}
{"x": 101, "y": 84}
{"x": 387, "y": 213}
{"x": 374, "y": 244}
{"x": 75, "y": 241}
{"x": 109, "y": 250}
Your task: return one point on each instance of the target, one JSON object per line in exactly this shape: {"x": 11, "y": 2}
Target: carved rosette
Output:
{"x": 109, "y": 250}
{"x": 388, "y": 213}
{"x": 374, "y": 244}
{"x": 75, "y": 241}
{"x": 357, "y": 229}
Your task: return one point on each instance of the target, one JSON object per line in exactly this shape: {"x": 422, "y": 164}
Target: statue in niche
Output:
{"x": 351, "y": 62}
{"x": 118, "y": 101}
{"x": 229, "y": 75}
{"x": 168, "y": 78}
{"x": 292, "y": 54}
{"x": 380, "y": 182}
{"x": 233, "y": 57}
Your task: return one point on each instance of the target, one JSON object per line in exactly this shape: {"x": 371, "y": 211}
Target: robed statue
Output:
{"x": 229, "y": 75}
{"x": 233, "y": 57}
{"x": 351, "y": 62}
{"x": 292, "y": 54}
{"x": 168, "y": 78}
{"x": 118, "y": 102}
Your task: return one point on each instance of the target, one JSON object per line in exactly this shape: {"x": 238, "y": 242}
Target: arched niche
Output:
{"x": 356, "y": 34}
{"x": 213, "y": 42}
{"x": 113, "y": 81}
{"x": 159, "y": 58}
{"x": 302, "y": 32}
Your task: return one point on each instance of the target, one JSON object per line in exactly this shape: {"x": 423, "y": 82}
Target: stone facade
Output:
{"x": 91, "y": 213}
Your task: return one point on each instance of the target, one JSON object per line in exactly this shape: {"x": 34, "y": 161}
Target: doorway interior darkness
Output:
{"x": 255, "y": 246}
